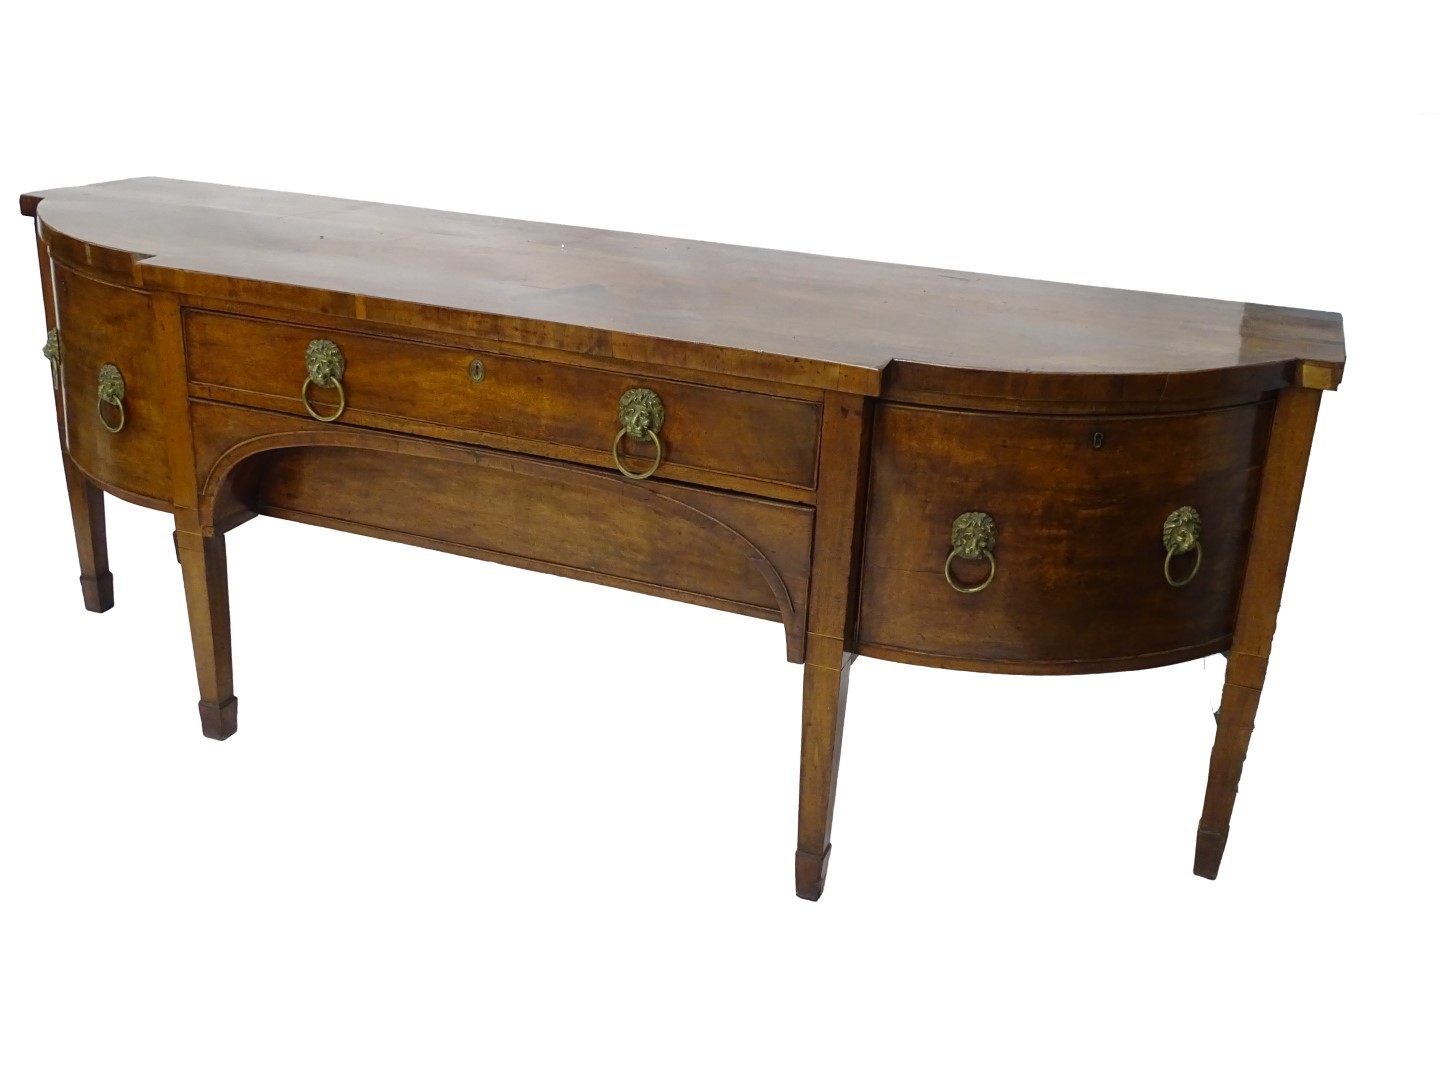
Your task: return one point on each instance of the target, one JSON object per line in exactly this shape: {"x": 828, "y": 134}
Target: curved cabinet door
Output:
{"x": 110, "y": 329}
{"x": 1079, "y": 506}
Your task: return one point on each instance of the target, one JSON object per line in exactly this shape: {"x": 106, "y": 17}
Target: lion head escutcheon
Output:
{"x": 324, "y": 367}
{"x": 111, "y": 392}
{"x": 641, "y": 415}
{"x": 324, "y": 362}
{"x": 972, "y": 536}
{"x": 1180, "y": 535}
{"x": 53, "y": 353}
{"x": 641, "y": 412}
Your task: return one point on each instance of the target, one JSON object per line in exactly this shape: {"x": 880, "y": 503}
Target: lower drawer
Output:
{"x": 737, "y": 552}
{"x": 1078, "y": 506}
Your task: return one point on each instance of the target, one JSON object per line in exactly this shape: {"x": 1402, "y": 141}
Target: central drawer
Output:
{"x": 709, "y": 435}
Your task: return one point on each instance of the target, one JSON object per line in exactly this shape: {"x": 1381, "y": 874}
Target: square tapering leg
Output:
{"x": 823, "y": 726}
{"x": 1232, "y": 741}
{"x": 1291, "y": 432}
{"x": 207, "y": 599}
{"x": 87, "y": 514}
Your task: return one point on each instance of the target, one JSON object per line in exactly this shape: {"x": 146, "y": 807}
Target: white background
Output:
{"x": 483, "y": 822}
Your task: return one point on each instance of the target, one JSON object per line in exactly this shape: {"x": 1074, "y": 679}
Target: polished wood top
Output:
{"x": 780, "y": 316}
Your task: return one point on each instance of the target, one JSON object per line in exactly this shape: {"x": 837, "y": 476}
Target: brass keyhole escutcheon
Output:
{"x": 477, "y": 370}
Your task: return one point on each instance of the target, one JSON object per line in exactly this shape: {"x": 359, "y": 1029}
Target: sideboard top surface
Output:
{"x": 783, "y": 316}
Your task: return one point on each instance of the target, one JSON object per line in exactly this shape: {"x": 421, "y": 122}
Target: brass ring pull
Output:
{"x": 325, "y": 367}
{"x": 641, "y": 415}
{"x": 659, "y": 453}
{"x": 969, "y": 588}
{"x": 972, "y": 536}
{"x": 305, "y": 398}
{"x": 112, "y": 393}
{"x": 1169, "y": 554}
{"x": 1180, "y": 534}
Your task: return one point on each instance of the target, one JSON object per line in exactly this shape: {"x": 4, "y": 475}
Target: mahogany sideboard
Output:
{"x": 953, "y": 469}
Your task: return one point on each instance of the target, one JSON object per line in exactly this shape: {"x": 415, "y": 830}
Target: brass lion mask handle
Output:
{"x": 324, "y": 367}
{"x": 641, "y": 415}
{"x": 53, "y": 353}
{"x": 1180, "y": 535}
{"x": 972, "y": 536}
{"x": 112, "y": 393}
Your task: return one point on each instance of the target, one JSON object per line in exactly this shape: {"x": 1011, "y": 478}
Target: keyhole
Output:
{"x": 477, "y": 370}
{"x": 1097, "y": 440}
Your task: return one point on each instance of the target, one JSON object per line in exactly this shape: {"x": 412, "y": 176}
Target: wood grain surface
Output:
{"x": 826, "y": 420}
{"x": 556, "y": 410}
{"x": 104, "y": 324}
{"x": 1079, "y": 575}
{"x": 735, "y": 552}
{"x": 786, "y": 317}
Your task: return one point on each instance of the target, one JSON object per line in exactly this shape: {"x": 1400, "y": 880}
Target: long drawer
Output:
{"x": 710, "y": 435}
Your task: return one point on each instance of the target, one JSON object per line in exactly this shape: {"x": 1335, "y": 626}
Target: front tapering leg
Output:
{"x": 87, "y": 514}
{"x": 1236, "y": 721}
{"x": 87, "y": 501}
{"x": 1292, "y": 428}
{"x": 207, "y": 598}
{"x": 823, "y": 726}
{"x": 834, "y": 583}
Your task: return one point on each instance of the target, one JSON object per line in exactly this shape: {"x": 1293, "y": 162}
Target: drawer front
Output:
{"x": 1079, "y": 506}
{"x": 709, "y": 435}
{"x": 108, "y": 329}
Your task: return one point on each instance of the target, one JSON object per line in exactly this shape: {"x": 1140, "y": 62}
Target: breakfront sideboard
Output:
{"x": 926, "y": 466}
